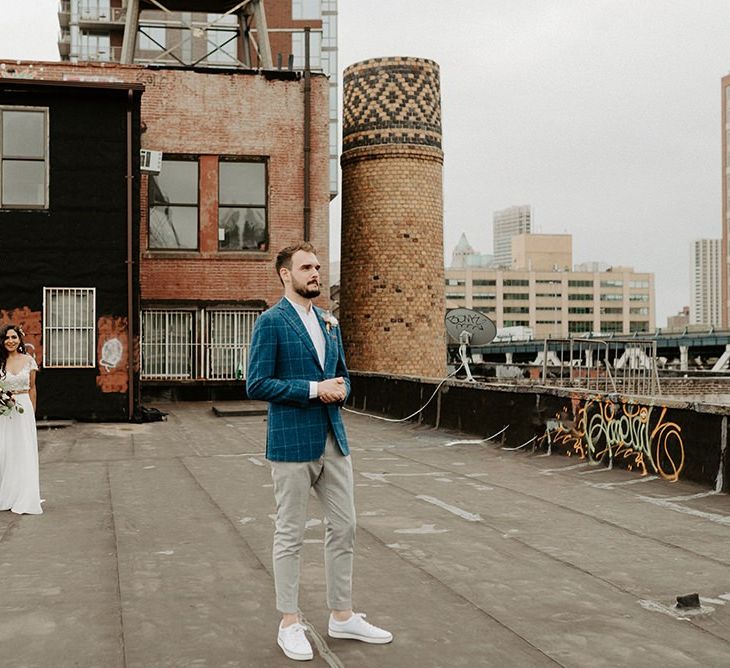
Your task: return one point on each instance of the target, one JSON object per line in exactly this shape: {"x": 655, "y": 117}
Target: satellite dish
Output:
{"x": 481, "y": 329}
{"x": 469, "y": 328}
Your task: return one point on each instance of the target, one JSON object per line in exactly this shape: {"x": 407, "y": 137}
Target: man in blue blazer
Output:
{"x": 297, "y": 364}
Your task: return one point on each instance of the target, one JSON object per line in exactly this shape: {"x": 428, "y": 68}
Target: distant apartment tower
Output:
{"x": 208, "y": 33}
{"x": 508, "y": 223}
{"x": 540, "y": 292}
{"x": 725, "y": 113}
{"x": 705, "y": 281}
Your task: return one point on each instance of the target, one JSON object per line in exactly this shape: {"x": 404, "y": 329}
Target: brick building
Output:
{"x": 229, "y": 194}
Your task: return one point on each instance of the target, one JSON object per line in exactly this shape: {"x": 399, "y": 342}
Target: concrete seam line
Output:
{"x": 322, "y": 647}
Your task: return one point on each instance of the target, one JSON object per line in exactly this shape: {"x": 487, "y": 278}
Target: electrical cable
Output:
{"x": 480, "y": 440}
{"x": 377, "y": 417}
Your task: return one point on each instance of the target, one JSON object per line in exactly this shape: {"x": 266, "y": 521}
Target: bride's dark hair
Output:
{"x": 4, "y": 353}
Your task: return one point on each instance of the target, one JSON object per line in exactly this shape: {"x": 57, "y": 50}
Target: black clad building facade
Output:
{"x": 69, "y": 216}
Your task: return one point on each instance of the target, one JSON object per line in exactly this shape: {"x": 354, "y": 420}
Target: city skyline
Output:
{"x": 611, "y": 132}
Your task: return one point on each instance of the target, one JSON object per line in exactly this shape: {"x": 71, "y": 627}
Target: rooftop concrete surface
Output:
{"x": 155, "y": 550}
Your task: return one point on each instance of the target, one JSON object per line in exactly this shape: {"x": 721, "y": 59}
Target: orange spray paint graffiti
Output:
{"x": 610, "y": 431}
{"x": 112, "y": 352}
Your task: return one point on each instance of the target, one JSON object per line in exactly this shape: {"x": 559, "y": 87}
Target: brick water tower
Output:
{"x": 392, "y": 280}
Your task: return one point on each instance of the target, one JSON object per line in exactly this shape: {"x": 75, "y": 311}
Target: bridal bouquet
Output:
{"x": 7, "y": 402}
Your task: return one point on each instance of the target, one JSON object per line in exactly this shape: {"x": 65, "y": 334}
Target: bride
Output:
{"x": 19, "y": 486}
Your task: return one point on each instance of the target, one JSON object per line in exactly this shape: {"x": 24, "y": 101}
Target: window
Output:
{"x": 242, "y": 206}
{"x": 94, "y": 9}
{"x": 638, "y": 284}
{"x": 612, "y": 297}
{"x": 305, "y": 9}
{"x": 516, "y": 295}
{"x": 484, "y": 281}
{"x": 612, "y": 283}
{"x": 580, "y": 309}
{"x": 580, "y": 297}
{"x": 641, "y": 310}
{"x": 548, "y": 294}
{"x": 516, "y": 323}
{"x": 484, "y": 296}
{"x": 455, "y": 281}
{"x": 579, "y": 326}
{"x": 612, "y": 310}
{"x": 638, "y": 326}
{"x": 229, "y": 333}
{"x": 173, "y": 206}
{"x": 95, "y": 46}
{"x": 152, "y": 38}
{"x": 516, "y": 309}
{"x": 612, "y": 326}
{"x": 69, "y": 327}
{"x": 580, "y": 284}
{"x": 221, "y": 35}
{"x": 167, "y": 344}
{"x": 639, "y": 298}
{"x": 315, "y": 49}
{"x": 515, "y": 282}
{"x": 24, "y": 157}
{"x": 181, "y": 344}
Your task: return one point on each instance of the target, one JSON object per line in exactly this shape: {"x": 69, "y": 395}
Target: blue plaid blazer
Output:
{"x": 282, "y": 361}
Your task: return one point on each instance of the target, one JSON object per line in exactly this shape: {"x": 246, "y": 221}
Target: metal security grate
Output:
{"x": 196, "y": 344}
{"x": 229, "y": 335}
{"x": 167, "y": 344}
{"x": 69, "y": 327}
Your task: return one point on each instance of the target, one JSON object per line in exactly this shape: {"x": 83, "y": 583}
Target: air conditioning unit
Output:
{"x": 150, "y": 161}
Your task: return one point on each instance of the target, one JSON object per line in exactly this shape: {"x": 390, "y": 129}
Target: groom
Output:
{"x": 297, "y": 364}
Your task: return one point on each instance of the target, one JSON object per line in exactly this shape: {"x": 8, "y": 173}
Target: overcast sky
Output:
{"x": 604, "y": 115}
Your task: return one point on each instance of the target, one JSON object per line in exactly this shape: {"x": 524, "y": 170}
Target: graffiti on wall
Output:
{"x": 634, "y": 436}
{"x": 112, "y": 354}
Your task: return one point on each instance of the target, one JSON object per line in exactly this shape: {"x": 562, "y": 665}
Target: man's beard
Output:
{"x": 308, "y": 291}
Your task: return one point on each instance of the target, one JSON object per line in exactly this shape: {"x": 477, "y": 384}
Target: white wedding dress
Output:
{"x": 19, "y": 484}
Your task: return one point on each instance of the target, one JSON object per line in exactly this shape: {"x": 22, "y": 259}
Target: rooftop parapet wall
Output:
{"x": 665, "y": 438}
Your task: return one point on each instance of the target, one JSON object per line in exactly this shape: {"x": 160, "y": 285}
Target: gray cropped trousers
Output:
{"x": 331, "y": 478}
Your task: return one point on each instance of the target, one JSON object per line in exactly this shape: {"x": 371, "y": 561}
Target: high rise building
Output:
{"x": 705, "y": 282}
{"x": 542, "y": 293}
{"x": 508, "y": 223}
{"x": 464, "y": 255}
{"x": 93, "y": 30}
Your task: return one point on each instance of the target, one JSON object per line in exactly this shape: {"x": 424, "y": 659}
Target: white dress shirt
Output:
{"x": 310, "y": 319}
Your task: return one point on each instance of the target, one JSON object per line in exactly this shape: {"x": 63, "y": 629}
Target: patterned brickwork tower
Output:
{"x": 392, "y": 285}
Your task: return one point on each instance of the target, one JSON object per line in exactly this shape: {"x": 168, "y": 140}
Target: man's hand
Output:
{"x": 332, "y": 390}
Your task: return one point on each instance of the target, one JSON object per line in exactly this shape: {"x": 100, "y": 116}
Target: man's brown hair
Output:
{"x": 283, "y": 258}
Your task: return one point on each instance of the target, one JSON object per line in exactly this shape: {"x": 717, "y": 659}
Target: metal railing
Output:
{"x": 626, "y": 366}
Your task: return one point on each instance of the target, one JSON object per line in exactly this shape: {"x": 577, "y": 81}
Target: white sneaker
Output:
{"x": 357, "y": 628}
{"x": 294, "y": 643}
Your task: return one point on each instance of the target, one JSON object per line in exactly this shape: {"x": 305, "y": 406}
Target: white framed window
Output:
{"x": 196, "y": 343}
{"x": 305, "y": 9}
{"x": 24, "y": 157}
{"x": 69, "y": 327}
{"x": 229, "y": 335}
{"x": 95, "y": 47}
{"x": 167, "y": 344}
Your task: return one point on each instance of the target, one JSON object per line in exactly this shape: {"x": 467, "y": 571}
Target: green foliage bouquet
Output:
{"x": 8, "y": 404}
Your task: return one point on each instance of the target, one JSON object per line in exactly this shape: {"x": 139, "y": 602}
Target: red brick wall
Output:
{"x": 228, "y": 113}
